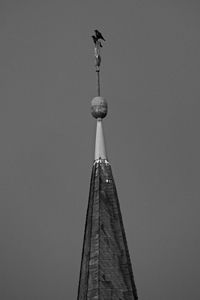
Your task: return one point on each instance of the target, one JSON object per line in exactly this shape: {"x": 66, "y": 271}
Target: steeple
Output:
{"x": 106, "y": 271}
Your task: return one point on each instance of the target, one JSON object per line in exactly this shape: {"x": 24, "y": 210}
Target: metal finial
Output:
{"x": 98, "y": 36}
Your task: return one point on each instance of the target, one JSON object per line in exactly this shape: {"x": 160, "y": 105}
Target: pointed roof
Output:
{"x": 106, "y": 272}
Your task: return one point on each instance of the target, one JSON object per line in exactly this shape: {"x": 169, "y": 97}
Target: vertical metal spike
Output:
{"x": 97, "y": 64}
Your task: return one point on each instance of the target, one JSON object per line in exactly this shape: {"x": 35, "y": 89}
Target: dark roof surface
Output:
{"x": 106, "y": 272}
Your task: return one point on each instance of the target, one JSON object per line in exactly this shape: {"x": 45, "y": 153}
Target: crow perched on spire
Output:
{"x": 99, "y": 35}
{"x": 95, "y": 41}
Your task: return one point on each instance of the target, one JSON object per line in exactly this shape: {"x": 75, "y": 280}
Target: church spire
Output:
{"x": 106, "y": 271}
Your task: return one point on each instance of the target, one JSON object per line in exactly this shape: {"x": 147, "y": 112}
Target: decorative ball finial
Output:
{"x": 99, "y": 107}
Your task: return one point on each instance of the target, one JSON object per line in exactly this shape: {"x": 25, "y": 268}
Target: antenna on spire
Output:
{"x": 98, "y": 36}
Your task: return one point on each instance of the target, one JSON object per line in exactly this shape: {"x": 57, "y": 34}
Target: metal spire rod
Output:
{"x": 96, "y": 39}
{"x": 98, "y": 82}
{"x": 97, "y": 64}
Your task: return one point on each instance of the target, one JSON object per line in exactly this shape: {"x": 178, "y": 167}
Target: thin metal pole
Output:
{"x": 98, "y": 82}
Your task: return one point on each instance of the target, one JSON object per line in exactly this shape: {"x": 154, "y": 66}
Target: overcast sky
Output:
{"x": 150, "y": 77}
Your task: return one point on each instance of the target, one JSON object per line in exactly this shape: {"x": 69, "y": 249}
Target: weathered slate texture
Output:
{"x": 106, "y": 272}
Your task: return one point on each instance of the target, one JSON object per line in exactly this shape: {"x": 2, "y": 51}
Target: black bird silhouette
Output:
{"x": 95, "y": 39}
{"x": 99, "y": 35}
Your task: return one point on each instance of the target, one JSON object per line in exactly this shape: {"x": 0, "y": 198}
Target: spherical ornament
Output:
{"x": 99, "y": 107}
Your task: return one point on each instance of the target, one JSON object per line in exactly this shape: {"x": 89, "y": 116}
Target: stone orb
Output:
{"x": 99, "y": 107}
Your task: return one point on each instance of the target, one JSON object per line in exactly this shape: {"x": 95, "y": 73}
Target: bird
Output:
{"x": 95, "y": 39}
{"x": 99, "y": 35}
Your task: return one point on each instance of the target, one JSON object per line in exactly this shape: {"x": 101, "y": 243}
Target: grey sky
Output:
{"x": 150, "y": 77}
